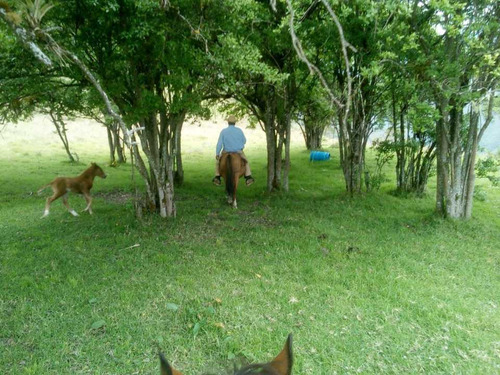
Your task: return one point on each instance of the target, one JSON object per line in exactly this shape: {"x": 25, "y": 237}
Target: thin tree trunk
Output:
{"x": 477, "y": 133}
{"x": 119, "y": 149}
{"x": 178, "y": 169}
{"x": 470, "y": 162}
{"x": 111, "y": 145}
{"x": 271, "y": 144}
{"x": 442, "y": 159}
{"x": 61, "y": 131}
{"x": 288, "y": 133}
{"x": 455, "y": 188}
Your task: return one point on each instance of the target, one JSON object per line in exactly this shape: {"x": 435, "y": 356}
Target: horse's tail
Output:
{"x": 229, "y": 176}
{"x": 42, "y": 188}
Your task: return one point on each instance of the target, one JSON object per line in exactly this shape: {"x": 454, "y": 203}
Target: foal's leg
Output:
{"x": 51, "y": 199}
{"x": 65, "y": 201}
{"x": 88, "y": 199}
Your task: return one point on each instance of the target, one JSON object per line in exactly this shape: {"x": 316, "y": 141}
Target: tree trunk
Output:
{"x": 352, "y": 157}
{"x": 178, "y": 169}
{"x": 313, "y": 135}
{"x": 286, "y": 166}
{"x": 269, "y": 127}
{"x": 442, "y": 158}
{"x": 271, "y": 153}
{"x": 111, "y": 144}
{"x": 61, "y": 131}
{"x": 155, "y": 145}
{"x": 354, "y": 129}
{"x": 470, "y": 162}
{"x": 475, "y": 134}
{"x": 119, "y": 148}
{"x": 456, "y": 158}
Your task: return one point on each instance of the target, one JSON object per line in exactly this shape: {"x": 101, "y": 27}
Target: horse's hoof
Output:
{"x": 45, "y": 214}
{"x": 74, "y": 213}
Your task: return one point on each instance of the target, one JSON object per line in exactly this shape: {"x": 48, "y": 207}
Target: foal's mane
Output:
{"x": 90, "y": 170}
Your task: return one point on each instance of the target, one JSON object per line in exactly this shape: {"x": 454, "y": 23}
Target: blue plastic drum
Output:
{"x": 319, "y": 155}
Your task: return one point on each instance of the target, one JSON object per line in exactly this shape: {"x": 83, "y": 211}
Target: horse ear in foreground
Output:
{"x": 281, "y": 365}
{"x": 232, "y": 168}
{"x": 81, "y": 184}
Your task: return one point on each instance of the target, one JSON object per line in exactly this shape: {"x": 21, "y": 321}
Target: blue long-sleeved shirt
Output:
{"x": 231, "y": 139}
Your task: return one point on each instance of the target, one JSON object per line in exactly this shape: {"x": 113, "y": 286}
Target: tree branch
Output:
{"x": 26, "y": 38}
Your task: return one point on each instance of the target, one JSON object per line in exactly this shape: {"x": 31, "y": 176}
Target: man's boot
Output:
{"x": 249, "y": 180}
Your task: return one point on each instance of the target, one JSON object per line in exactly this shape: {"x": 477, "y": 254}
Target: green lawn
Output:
{"x": 375, "y": 284}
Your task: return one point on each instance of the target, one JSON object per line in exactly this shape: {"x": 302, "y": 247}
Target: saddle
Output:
{"x": 243, "y": 157}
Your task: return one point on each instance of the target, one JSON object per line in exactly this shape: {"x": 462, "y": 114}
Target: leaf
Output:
{"x": 211, "y": 310}
{"x": 196, "y": 328}
{"x": 98, "y": 324}
{"x": 172, "y": 306}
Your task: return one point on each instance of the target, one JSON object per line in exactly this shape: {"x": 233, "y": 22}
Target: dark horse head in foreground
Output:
{"x": 281, "y": 365}
{"x": 232, "y": 167}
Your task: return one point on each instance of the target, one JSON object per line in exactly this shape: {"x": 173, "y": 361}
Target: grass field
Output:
{"x": 370, "y": 285}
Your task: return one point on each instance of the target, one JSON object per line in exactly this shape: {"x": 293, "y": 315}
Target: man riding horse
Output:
{"x": 232, "y": 139}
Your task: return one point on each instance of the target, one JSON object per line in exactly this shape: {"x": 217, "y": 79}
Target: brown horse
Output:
{"x": 281, "y": 365}
{"x": 81, "y": 184}
{"x": 232, "y": 167}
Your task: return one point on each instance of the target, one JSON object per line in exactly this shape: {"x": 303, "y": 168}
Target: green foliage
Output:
{"x": 488, "y": 168}
{"x": 422, "y": 117}
{"x": 384, "y": 153}
{"x": 34, "y": 11}
{"x": 20, "y": 80}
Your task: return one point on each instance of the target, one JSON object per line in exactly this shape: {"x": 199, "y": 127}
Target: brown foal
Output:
{"x": 81, "y": 184}
{"x": 281, "y": 365}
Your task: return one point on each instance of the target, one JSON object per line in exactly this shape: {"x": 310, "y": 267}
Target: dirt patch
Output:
{"x": 116, "y": 197}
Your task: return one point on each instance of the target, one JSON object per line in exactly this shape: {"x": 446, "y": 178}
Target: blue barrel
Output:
{"x": 319, "y": 155}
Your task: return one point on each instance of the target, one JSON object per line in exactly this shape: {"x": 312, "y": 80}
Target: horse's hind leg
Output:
{"x": 51, "y": 199}
{"x": 233, "y": 198}
{"x": 65, "y": 201}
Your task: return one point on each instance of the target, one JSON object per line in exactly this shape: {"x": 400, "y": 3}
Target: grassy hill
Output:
{"x": 375, "y": 284}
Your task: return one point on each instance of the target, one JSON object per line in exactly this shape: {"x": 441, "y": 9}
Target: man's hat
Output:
{"x": 231, "y": 119}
